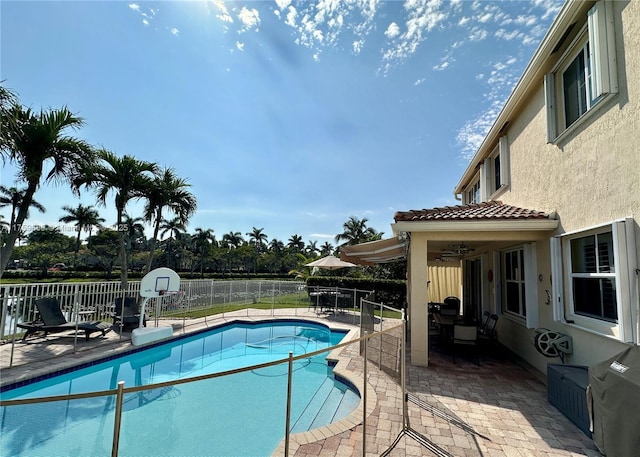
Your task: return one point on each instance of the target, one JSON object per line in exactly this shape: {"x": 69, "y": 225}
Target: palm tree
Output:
{"x": 356, "y": 232}
{"x": 232, "y": 240}
{"x": 133, "y": 232}
{"x": 32, "y": 140}
{"x": 312, "y": 248}
{"x": 258, "y": 238}
{"x": 295, "y": 243}
{"x": 14, "y": 197}
{"x": 169, "y": 192}
{"x": 326, "y": 249}
{"x": 276, "y": 246}
{"x": 127, "y": 177}
{"x": 7, "y": 101}
{"x": 85, "y": 218}
{"x": 203, "y": 239}
{"x": 175, "y": 228}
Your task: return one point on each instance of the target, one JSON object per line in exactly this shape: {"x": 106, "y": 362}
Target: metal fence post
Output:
{"x": 288, "y": 416}
{"x": 118, "y": 419}
{"x": 364, "y": 399}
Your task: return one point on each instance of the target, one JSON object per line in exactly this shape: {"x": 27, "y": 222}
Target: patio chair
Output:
{"x": 51, "y": 320}
{"x": 127, "y": 317}
{"x": 483, "y": 322}
{"x": 465, "y": 335}
{"x": 489, "y": 330}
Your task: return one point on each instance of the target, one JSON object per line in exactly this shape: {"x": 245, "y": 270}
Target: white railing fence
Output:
{"x": 95, "y": 300}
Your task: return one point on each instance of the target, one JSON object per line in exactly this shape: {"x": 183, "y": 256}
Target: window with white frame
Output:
{"x": 585, "y": 74}
{"x": 592, "y": 276}
{"x": 593, "y": 279}
{"x": 513, "y": 293}
{"x": 517, "y": 291}
{"x": 472, "y": 193}
{"x": 494, "y": 173}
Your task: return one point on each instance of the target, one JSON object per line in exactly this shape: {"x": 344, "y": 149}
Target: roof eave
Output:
{"x": 476, "y": 226}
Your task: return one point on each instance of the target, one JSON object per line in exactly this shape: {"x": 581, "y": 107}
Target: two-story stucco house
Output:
{"x": 548, "y": 228}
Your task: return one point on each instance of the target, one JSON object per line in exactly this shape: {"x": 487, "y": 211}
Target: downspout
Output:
{"x": 457, "y": 196}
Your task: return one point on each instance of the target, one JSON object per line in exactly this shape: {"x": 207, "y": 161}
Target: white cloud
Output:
{"x": 175, "y": 31}
{"x": 357, "y": 46}
{"x": 282, "y": 4}
{"x": 146, "y": 16}
{"x": 249, "y": 18}
{"x": 485, "y": 18}
{"x": 463, "y": 21}
{"x": 239, "y": 46}
{"x": 223, "y": 12}
{"x": 291, "y": 17}
{"x": 322, "y": 24}
{"x": 503, "y": 34}
{"x": 419, "y": 81}
{"x": 441, "y": 66}
{"x": 478, "y": 34}
{"x": 392, "y": 31}
{"x": 422, "y": 17}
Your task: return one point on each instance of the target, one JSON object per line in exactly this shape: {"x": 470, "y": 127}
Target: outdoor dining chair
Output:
{"x": 465, "y": 335}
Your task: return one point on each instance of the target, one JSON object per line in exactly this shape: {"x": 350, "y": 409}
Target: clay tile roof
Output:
{"x": 493, "y": 210}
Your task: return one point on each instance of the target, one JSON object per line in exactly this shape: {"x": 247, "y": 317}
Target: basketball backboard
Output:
{"x": 158, "y": 282}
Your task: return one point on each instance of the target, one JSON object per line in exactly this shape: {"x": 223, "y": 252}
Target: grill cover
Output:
{"x": 615, "y": 392}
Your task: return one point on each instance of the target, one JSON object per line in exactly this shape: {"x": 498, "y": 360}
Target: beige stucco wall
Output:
{"x": 592, "y": 177}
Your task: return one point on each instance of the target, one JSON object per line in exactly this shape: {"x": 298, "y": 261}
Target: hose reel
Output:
{"x": 552, "y": 344}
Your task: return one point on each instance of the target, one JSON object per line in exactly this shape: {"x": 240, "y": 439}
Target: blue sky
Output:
{"x": 286, "y": 116}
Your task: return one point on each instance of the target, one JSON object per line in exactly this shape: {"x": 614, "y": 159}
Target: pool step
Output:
{"x": 330, "y": 403}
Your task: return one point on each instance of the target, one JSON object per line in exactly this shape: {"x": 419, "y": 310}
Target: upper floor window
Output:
{"x": 473, "y": 192}
{"x": 584, "y": 75}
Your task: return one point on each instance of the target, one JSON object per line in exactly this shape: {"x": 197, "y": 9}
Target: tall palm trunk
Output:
{"x": 15, "y": 229}
{"x": 124, "y": 258}
{"x": 152, "y": 247}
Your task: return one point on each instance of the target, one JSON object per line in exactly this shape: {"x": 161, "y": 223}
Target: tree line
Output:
{"x": 42, "y": 149}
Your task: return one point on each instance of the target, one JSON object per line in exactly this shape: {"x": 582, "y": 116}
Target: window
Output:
{"x": 517, "y": 292}
{"x": 514, "y": 283}
{"x": 593, "y": 279}
{"x": 473, "y": 192}
{"x": 576, "y": 84}
{"x": 593, "y": 276}
{"x": 585, "y": 75}
{"x": 494, "y": 173}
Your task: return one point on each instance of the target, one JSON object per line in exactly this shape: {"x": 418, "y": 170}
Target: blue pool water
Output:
{"x": 240, "y": 414}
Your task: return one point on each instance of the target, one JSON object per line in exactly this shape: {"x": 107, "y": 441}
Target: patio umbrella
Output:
{"x": 330, "y": 262}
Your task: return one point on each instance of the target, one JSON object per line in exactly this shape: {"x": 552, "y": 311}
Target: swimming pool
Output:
{"x": 239, "y": 414}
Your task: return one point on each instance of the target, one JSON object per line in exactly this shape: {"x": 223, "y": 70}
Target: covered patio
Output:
{"x": 468, "y": 236}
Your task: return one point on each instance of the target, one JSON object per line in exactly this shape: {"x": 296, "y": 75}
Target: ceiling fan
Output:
{"x": 456, "y": 250}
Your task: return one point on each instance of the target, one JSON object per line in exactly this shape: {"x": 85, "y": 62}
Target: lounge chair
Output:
{"x": 127, "y": 316}
{"x": 52, "y": 320}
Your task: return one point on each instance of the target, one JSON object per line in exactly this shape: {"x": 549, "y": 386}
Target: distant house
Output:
{"x": 547, "y": 231}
